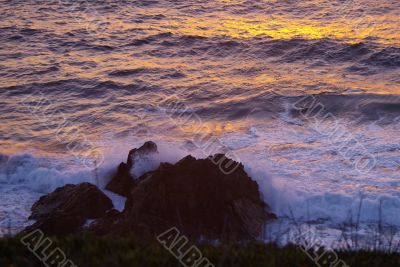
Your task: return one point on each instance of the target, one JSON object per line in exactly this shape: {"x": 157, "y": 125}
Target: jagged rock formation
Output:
{"x": 193, "y": 195}
{"x": 124, "y": 180}
{"x": 68, "y": 208}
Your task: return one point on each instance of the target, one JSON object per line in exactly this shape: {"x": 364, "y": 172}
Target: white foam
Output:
{"x": 117, "y": 200}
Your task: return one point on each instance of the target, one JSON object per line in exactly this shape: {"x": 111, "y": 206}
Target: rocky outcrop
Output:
{"x": 108, "y": 223}
{"x": 197, "y": 198}
{"x": 194, "y": 195}
{"x": 67, "y": 209}
{"x": 124, "y": 180}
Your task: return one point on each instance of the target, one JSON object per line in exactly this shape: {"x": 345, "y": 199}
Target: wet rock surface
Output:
{"x": 124, "y": 180}
{"x": 68, "y": 208}
{"x": 194, "y": 195}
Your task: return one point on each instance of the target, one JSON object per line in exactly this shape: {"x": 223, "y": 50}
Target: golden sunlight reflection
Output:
{"x": 284, "y": 28}
{"x": 351, "y": 30}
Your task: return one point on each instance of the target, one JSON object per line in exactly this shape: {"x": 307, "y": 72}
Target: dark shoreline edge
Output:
{"x": 112, "y": 251}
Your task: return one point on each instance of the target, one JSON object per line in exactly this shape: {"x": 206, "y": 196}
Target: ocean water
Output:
{"x": 306, "y": 94}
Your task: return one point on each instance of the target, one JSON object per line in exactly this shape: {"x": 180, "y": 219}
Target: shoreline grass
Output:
{"x": 113, "y": 251}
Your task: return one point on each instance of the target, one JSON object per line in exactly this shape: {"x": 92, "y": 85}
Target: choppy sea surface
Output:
{"x": 306, "y": 94}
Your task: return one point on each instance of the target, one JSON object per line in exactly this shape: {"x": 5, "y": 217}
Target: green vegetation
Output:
{"x": 111, "y": 251}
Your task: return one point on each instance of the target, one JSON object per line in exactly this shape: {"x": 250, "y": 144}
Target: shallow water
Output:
{"x": 101, "y": 76}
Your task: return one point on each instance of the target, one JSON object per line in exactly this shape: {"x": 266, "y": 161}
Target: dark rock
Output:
{"x": 67, "y": 208}
{"x": 106, "y": 223}
{"x": 124, "y": 180}
{"x": 200, "y": 197}
{"x": 144, "y": 151}
{"x": 195, "y": 196}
